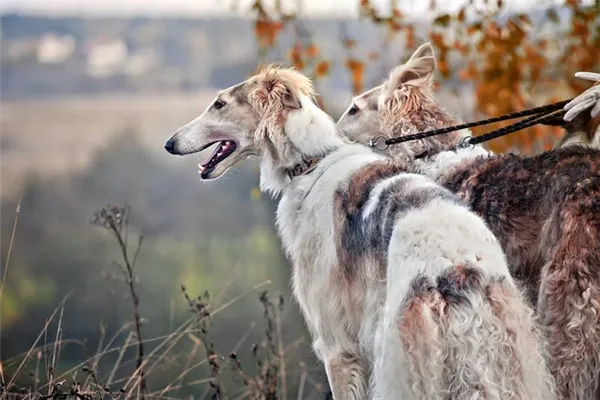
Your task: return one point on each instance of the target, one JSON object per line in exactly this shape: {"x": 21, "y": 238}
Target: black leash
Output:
{"x": 526, "y": 123}
{"x": 382, "y": 143}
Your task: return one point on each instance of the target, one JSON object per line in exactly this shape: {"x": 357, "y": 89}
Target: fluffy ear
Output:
{"x": 290, "y": 100}
{"x": 424, "y": 50}
{"x": 417, "y": 71}
{"x": 276, "y": 89}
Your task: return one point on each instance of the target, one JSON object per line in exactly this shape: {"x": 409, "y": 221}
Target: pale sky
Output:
{"x": 199, "y": 8}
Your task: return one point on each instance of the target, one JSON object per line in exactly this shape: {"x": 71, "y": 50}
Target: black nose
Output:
{"x": 170, "y": 146}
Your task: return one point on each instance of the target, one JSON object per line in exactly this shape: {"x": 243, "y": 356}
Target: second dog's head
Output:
{"x": 402, "y": 105}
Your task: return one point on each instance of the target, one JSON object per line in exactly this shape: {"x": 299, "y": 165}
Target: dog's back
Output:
{"x": 454, "y": 323}
{"x": 456, "y": 326}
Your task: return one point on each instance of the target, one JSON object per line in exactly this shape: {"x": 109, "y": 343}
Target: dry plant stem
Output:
{"x": 256, "y": 385}
{"x": 164, "y": 339}
{"x": 39, "y": 349}
{"x": 201, "y": 308}
{"x": 281, "y": 353}
{"x": 31, "y": 349}
{"x": 177, "y": 333}
{"x": 2, "y": 380}
{"x": 177, "y": 383}
{"x": 37, "y": 372}
{"x": 301, "y": 386}
{"x": 119, "y": 359}
{"x": 10, "y": 246}
{"x": 165, "y": 353}
{"x": 236, "y": 298}
{"x": 103, "y": 353}
{"x": 116, "y": 220}
{"x": 161, "y": 394}
{"x": 55, "y": 352}
{"x": 96, "y": 358}
{"x": 136, "y": 308}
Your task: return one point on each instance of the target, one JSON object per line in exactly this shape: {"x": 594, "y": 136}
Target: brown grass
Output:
{"x": 269, "y": 381}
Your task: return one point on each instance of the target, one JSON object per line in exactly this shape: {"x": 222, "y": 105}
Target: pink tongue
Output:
{"x": 221, "y": 148}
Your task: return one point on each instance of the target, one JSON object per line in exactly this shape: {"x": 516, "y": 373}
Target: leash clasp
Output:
{"x": 379, "y": 143}
{"x": 466, "y": 142}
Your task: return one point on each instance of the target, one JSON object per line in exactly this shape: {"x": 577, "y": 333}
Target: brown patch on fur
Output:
{"x": 362, "y": 251}
{"x": 469, "y": 336}
{"x": 421, "y": 332}
{"x": 507, "y": 191}
{"x": 464, "y": 278}
{"x": 348, "y": 205}
{"x": 421, "y": 319}
{"x": 424, "y": 297}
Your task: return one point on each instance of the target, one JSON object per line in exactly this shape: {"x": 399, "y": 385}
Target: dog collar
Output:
{"x": 304, "y": 168}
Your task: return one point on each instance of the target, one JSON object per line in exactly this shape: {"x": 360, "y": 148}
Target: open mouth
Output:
{"x": 223, "y": 150}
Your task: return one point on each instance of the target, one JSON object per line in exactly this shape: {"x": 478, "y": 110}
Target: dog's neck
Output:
{"x": 307, "y": 136}
{"x": 301, "y": 185}
{"x": 306, "y": 167}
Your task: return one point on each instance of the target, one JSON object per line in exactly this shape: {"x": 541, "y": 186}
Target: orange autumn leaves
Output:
{"x": 511, "y": 70}
{"x": 357, "y": 72}
{"x": 266, "y": 31}
{"x": 303, "y": 57}
{"x": 509, "y": 67}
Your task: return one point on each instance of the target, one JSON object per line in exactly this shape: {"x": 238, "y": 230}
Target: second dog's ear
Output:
{"x": 417, "y": 71}
{"x": 290, "y": 100}
{"x": 424, "y": 50}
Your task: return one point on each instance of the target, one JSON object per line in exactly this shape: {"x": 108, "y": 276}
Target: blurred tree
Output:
{"x": 512, "y": 62}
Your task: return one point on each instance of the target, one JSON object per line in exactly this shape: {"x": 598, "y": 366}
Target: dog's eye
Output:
{"x": 218, "y": 104}
{"x": 353, "y": 110}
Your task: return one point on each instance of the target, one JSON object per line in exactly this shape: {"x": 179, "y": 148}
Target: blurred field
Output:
{"x": 50, "y": 137}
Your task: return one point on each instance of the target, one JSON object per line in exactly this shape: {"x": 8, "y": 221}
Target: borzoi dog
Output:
{"x": 545, "y": 211}
{"x": 401, "y": 286}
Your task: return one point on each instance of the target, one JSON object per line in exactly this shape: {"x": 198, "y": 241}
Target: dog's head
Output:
{"x": 270, "y": 115}
{"x": 402, "y": 105}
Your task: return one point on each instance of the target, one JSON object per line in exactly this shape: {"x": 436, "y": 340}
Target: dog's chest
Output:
{"x": 333, "y": 304}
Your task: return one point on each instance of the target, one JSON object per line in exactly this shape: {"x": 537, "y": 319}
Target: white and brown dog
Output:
{"x": 401, "y": 286}
{"x": 544, "y": 209}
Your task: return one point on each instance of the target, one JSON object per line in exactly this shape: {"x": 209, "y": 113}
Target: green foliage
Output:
{"x": 25, "y": 292}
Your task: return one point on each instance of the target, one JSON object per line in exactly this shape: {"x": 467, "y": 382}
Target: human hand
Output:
{"x": 588, "y": 99}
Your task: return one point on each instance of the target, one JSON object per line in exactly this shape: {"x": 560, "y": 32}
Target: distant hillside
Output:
{"x": 48, "y": 57}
